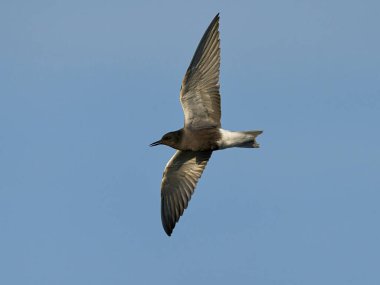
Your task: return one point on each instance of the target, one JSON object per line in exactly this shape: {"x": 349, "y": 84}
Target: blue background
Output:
{"x": 85, "y": 86}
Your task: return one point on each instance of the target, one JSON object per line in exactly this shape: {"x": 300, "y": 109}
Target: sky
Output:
{"x": 86, "y": 86}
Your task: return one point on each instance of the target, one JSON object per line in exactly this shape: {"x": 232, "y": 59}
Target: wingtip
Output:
{"x": 216, "y": 18}
{"x": 168, "y": 231}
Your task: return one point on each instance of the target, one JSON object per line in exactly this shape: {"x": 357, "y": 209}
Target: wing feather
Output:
{"x": 199, "y": 94}
{"x": 178, "y": 183}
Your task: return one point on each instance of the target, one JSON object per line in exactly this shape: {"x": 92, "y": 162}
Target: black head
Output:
{"x": 170, "y": 139}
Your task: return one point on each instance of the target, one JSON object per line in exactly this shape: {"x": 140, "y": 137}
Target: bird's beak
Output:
{"x": 155, "y": 143}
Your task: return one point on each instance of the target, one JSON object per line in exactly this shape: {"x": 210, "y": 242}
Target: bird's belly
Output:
{"x": 201, "y": 140}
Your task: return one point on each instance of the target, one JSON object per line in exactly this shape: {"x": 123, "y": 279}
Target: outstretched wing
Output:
{"x": 178, "y": 183}
{"x": 199, "y": 94}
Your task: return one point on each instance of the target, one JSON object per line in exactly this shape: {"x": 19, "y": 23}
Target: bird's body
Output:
{"x": 202, "y": 133}
{"x": 211, "y": 139}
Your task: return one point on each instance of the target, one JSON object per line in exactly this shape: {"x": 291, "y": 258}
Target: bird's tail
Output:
{"x": 245, "y": 139}
{"x": 250, "y": 141}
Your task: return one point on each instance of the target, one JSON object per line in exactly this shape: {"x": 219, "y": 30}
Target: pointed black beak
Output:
{"x": 155, "y": 143}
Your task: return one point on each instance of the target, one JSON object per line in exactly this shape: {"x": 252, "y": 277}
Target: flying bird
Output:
{"x": 202, "y": 132}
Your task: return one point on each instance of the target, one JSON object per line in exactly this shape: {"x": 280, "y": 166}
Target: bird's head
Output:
{"x": 170, "y": 139}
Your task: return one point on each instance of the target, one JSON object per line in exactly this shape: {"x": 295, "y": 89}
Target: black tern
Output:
{"x": 202, "y": 133}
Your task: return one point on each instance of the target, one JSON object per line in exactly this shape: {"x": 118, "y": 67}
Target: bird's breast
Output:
{"x": 200, "y": 140}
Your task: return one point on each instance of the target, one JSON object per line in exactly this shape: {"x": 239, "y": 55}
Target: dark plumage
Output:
{"x": 202, "y": 132}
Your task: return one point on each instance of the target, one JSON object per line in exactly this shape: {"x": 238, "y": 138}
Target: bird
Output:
{"x": 201, "y": 134}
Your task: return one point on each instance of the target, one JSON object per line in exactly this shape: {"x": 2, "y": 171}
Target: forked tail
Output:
{"x": 246, "y": 139}
{"x": 250, "y": 139}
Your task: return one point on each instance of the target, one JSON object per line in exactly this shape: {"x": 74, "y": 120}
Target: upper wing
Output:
{"x": 199, "y": 94}
{"x": 178, "y": 183}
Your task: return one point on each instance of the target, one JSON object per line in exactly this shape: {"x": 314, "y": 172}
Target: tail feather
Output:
{"x": 250, "y": 140}
{"x": 246, "y": 139}
{"x": 253, "y": 133}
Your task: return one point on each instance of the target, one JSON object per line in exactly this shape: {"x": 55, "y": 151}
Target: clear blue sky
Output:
{"x": 85, "y": 86}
